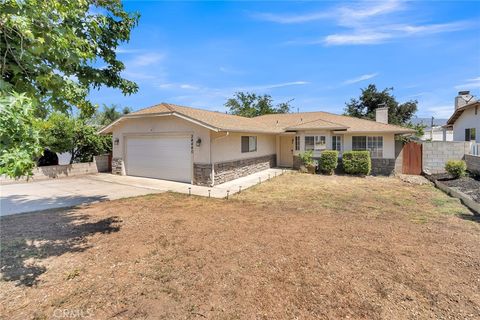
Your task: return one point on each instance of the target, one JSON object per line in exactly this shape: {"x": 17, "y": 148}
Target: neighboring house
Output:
{"x": 197, "y": 146}
{"x": 465, "y": 120}
{"x": 437, "y": 133}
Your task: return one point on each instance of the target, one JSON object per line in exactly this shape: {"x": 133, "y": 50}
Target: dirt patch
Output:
{"x": 298, "y": 246}
{"x": 469, "y": 185}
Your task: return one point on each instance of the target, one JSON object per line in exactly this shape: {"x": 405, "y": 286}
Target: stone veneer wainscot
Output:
{"x": 230, "y": 170}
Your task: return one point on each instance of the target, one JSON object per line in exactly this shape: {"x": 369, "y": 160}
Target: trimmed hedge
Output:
{"x": 357, "y": 162}
{"x": 457, "y": 168}
{"x": 328, "y": 161}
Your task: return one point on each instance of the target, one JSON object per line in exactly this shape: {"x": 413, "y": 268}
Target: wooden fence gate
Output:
{"x": 412, "y": 158}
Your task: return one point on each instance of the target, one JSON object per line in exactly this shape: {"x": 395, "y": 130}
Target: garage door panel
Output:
{"x": 166, "y": 157}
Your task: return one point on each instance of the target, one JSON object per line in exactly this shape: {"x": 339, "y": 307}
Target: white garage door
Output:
{"x": 161, "y": 157}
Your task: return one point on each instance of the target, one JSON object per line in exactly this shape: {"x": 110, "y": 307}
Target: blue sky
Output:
{"x": 318, "y": 53}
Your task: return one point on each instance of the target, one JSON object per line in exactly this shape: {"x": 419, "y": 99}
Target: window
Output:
{"x": 309, "y": 143}
{"x": 359, "y": 143}
{"x": 372, "y": 144}
{"x": 470, "y": 134}
{"x": 297, "y": 143}
{"x": 249, "y": 144}
{"x": 375, "y": 146}
{"x": 320, "y": 142}
{"x": 337, "y": 143}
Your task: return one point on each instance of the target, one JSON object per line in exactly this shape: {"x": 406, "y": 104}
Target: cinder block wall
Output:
{"x": 437, "y": 153}
{"x": 473, "y": 163}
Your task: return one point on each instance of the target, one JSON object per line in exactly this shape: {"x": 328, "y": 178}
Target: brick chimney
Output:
{"x": 381, "y": 114}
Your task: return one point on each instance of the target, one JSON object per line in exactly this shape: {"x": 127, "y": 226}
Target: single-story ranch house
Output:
{"x": 203, "y": 147}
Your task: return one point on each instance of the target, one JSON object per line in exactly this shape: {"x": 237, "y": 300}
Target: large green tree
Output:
{"x": 19, "y": 138}
{"x": 62, "y": 133}
{"x": 251, "y": 105}
{"x": 370, "y": 99}
{"x": 53, "y": 52}
{"x": 56, "y": 51}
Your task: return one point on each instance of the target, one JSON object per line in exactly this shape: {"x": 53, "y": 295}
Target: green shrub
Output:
{"x": 357, "y": 162}
{"x": 328, "y": 161}
{"x": 307, "y": 158}
{"x": 457, "y": 168}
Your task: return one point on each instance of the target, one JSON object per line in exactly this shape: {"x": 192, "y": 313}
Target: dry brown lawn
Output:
{"x": 296, "y": 247}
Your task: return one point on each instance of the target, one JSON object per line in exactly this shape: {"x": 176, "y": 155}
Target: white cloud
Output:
{"x": 360, "y": 78}
{"x": 439, "y": 112}
{"x": 346, "y": 14}
{"x": 431, "y": 28}
{"x": 365, "y": 37}
{"x": 287, "y": 19}
{"x": 146, "y": 59}
{"x": 278, "y": 85}
{"x": 367, "y": 23}
{"x": 473, "y": 83}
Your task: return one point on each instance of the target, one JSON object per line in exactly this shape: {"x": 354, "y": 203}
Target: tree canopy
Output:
{"x": 251, "y": 105}
{"x": 364, "y": 107}
{"x": 56, "y": 51}
{"x": 109, "y": 114}
{"x": 19, "y": 138}
{"x": 62, "y": 133}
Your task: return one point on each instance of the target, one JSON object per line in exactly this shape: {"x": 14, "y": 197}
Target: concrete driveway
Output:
{"x": 68, "y": 192}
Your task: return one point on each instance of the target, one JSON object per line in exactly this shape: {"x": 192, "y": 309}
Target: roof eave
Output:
{"x": 108, "y": 129}
{"x": 316, "y": 128}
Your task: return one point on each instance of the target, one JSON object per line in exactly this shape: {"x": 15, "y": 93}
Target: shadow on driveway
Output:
{"x": 21, "y": 203}
{"x": 26, "y": 238}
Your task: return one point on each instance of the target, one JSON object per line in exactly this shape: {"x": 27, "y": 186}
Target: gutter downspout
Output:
{"x": 211, "y": 162}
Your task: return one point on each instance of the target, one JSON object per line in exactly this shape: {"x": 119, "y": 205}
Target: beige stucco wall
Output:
{"x": 228, "y": 147}
{"x": 388, "y": 141}
{"x": 468, "y": 119}
{"x": 163, "y": 125}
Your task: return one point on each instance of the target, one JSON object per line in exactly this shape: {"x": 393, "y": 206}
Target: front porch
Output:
{"x": 385, "y": 151}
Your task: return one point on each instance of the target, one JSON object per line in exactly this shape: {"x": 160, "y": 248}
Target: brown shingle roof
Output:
{"x": 310, "y": 119}
{"x": 272, "y": 123}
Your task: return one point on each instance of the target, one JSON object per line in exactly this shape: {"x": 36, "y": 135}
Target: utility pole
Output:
{"x": 431, "y": 129}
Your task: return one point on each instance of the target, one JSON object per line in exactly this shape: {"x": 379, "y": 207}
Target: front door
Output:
{"x": 286, "y": 151}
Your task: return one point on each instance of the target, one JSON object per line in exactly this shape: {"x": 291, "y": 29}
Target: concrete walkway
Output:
{"x": 68, "y": 192}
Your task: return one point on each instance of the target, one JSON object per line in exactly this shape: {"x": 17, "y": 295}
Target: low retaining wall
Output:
{"x": 473, "y": 163}
{"x": 230, "y": 170}
{"x": 60, "y": 171}
{"x": 437, "y": 153}
{"x": 466, "y": 200}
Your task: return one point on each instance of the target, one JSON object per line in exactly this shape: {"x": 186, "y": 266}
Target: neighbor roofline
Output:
{"x": 457, "y": 113}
